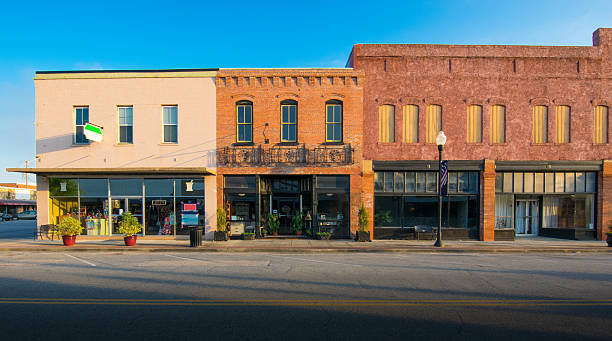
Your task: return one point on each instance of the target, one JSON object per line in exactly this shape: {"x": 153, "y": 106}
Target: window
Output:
{"x": 434, "y": 122}
{"x": 498, "y": 124}
{"x": 125, "y": 125}
{"x": 386, "y": 123}
{"x": 82, "y": 117}
{"x": 562, "y": 124}
{"x": 539, "y": 130}
{"x": 411, "y": 123}
{"x": 474, "y": 124}
{"x": 170, "y": 123}
{"x": 333, "y": 121}
{"x": 600, "y": 129}
{"x": 244, "y": 121}
{"x": 288, "y": 121}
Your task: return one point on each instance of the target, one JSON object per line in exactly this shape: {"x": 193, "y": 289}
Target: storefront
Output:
{"x": 323, "y": 201}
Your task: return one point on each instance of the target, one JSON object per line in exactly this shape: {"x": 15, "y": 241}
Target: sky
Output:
{"x": 87, "y": 35}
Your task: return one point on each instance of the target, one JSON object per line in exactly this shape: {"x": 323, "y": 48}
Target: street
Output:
{"x": 340, "y": 296}
{"x": 17, "y": 229}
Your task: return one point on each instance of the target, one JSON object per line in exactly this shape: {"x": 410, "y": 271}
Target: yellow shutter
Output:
{"x": 539, "y": 132}
{"x": 562, "y": 124}
{"x": 411, "y": 123}
{"x": 600, "y": 131}
{"x": 386, "y": 122}
{"x": 434, "y": 122}
{"x": 498, "y": 124}
{"x": 474, "y": 124}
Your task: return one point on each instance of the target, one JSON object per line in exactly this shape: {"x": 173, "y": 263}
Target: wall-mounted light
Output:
{"x": 266, "y": 141}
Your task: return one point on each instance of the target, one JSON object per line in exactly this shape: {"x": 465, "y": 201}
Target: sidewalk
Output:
{"x": 531, "y": 245}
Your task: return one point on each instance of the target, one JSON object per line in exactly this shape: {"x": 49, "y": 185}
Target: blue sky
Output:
{"x": 76, "y": 35}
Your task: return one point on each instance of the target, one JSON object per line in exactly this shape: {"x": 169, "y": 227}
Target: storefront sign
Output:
{"x": 159, "y": 202}
{"x": 93, "y": 132}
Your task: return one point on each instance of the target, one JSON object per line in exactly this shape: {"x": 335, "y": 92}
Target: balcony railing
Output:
{"x": 238, "y": 156}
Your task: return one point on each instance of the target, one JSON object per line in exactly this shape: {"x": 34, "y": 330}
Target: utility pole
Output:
{"x": 26, "y": 174}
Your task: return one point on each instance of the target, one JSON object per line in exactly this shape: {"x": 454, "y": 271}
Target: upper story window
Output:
{"x": 434, "y": 122}
{"x": 125, "y": 125}
{"x": 170, "y": 123}
{"x": 562, "y": 124}
{"x": 411, "y": 123}
{"x": 498, "y": 124}
{"x": 600, "y": 128}
{"x": 474, "y": 124}
{"x": 333, "y": 121}
{"x": 386, "y": 123}
{"x": 82, "y": 117}
{"x": 539, "y": 130}
{"x": 244, "y": 121}
{"x": 288, "y": 121}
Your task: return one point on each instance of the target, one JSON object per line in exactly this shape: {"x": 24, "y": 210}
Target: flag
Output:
{"x": 93, "y": 132}
{"x": 444, "y": 178}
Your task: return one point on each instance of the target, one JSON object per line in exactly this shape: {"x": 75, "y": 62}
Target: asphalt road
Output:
{"x": 346, "y": 296}
{"x": 17, "y": 229}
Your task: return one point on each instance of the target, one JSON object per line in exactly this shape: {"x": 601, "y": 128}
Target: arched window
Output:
{"x": 333, "y": 121}
{"x": 474, "y": 123}
{"x": 386, "y": 123}
{"x": 539, "y": 131}
{"x": 600, "y": 128}
{"x": 244, "y": 121}
{"x": 289, "y": 121}
{"x": 434, "y": 122}
{"x": 498, "y": 124}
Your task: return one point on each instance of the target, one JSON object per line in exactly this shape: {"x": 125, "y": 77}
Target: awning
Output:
{"x": 116, "y": 171}
{"x": 17, "y": 202}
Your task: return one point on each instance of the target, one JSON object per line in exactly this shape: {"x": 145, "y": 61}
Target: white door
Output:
{"x": 527, "y": 217}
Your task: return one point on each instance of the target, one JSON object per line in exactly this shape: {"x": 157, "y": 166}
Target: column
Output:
{"x": 487, "y": 201}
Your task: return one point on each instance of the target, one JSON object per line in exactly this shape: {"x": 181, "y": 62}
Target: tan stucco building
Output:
{"x": 156, "y": 152}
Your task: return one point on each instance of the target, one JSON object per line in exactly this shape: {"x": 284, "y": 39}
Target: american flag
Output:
{"x": 444, "y": 178}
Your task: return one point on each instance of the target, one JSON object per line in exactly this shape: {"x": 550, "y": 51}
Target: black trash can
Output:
{"x": 195, "y": 236}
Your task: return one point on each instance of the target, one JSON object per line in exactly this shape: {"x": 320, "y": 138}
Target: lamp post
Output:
{"x": 440, "y": 141}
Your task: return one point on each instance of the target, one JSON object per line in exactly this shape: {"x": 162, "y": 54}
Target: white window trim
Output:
{"x": 163, "y": 124}
{"x": 119, "y": 125}
{"x": 74, "y": 132}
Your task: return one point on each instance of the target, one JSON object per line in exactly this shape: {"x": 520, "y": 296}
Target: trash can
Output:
{"x": 195, "y": 236}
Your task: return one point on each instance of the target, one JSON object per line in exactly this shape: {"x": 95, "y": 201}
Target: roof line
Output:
{"x": 124, "y": 71}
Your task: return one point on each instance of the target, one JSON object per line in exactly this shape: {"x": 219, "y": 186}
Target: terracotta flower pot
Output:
{"x": 275, "y": 233}
{"x": 69, "y": 240}
{"x": 298, "y": 232}
{"x": 130, "y": 240}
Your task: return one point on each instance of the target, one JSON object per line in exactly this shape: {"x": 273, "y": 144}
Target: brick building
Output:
{"x": 290, "y": 141}
{"x": 528, "y": 138}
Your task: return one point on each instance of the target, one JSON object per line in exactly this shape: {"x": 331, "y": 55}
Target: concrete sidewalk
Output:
{"x": 536, "y": 244}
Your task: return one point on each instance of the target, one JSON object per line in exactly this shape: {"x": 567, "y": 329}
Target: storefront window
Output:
{"x": 126, "y": 187}
{"x": 333, "y": 213}
{"x": 504, "y": 204}
{"x": 183, "y": 229}
{"x": 574, "y": 211}
{"x": 159, "y": 206}
{"x": 93, "y": 187}
{"x": 94, "y": 216}
{"x": 63, "y": 187}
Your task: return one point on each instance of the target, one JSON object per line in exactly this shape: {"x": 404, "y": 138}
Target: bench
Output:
{"x": 50, "y": 231}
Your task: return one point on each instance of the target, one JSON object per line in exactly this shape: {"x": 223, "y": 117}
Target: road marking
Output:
{"x": 79, "y": 259}
{"x": 315, "y": 261}
{"x": 185, "y": 258}
{"x": 305, "y": 302}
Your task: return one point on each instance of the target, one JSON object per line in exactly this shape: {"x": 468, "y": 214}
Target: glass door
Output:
{"x": 527, "y": 217}
{"x": 286, "y": 207}
{"x": 122, "y": 205}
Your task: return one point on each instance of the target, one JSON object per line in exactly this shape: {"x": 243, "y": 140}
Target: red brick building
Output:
{"x": 290, "y": 141}
{"x": 528, "y": 138}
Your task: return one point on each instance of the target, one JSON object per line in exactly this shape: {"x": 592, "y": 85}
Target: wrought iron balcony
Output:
{"x": 239, "y": 156}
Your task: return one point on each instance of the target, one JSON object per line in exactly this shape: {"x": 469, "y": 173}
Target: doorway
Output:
{"x": 122, "y": 205}
{"x": 287, "y": 207}
{"x": 527, "y": 217}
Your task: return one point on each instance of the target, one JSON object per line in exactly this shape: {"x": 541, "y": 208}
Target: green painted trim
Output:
{"x": 93, "y": 128}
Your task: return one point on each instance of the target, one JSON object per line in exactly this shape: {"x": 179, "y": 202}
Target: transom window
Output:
{"x": 244, "y": 121}
{"x": 170, "y": 123}
{"x": 333, "y": 121}
{"x": 288, "y": 121}
{"x": 125, "y": 125}
{"x": 82, "y": 117}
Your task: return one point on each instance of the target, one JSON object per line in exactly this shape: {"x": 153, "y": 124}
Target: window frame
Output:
{"x": 470, "y": 123}
{"x": 604, "y": 127}
{"x": 391, "y": 123}
{"x": 169, "y": 124}
{"x": 334, "y": 103}
{"x": 131, "y": 125}
{"x": 540, "y": 130}
{"x": 288, "y": 104}
{"x": 244, "y": 104}
{"x": 569, "y": 124}
{"x": 76, "y": 126}
{"x": 503, "y": 123}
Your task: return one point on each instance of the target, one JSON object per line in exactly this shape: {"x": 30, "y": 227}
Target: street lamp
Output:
{"x": 440, "y": 141}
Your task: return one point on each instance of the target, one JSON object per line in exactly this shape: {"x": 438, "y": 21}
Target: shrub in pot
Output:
{"x": 221, "y": 233}
{"x": 248, "y": 236}
{"x": 129, "y": 227}
{"x": 273, "y": 224}
{"x": 69, "y": 228}
{"x": 323, "y": 235}
{"x": 363, "y": 233}
{"x": 297, "y": 223}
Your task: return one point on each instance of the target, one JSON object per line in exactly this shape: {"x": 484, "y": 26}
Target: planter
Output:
{"x": 248, "y": 237}
{"x": 298, "y": 232}
{"x": 130, "y": 240}
{"x": 363, "y": 236}
{"x": 220, "y": 236}
{"x": 69, "y": 240}
{"x": 325, "y": 236}
{"x": 275, "y": 233}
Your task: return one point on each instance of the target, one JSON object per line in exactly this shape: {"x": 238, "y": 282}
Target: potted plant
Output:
{"x": 324, "y": 235}
{"x": 221, "y": 233}
{"x": 297, "y": 223}
{"x": 382, "y": 217}
{"x": 273, "y": 224}
{"x": 129, "y": 227}
{"x": 69, "y": 228}
{"x": 609, "y": 233}
{"x": 363, "y": 233}
{"x": 248, "y": 236}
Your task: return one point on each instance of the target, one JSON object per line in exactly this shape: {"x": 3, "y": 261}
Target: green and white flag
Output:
{"x": 93, "y": 132}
